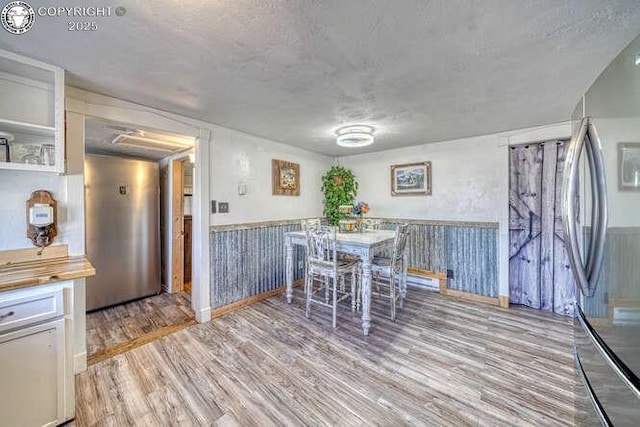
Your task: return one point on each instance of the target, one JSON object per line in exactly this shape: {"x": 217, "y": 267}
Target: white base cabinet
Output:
{"x": 35, "y": 355}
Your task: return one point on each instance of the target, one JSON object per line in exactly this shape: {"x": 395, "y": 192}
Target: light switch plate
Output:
{"x": 223, "y": 207}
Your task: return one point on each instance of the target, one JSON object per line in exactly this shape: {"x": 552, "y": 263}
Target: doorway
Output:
{"x": 133, "y": 317}
{"x": 176, "y": 193}
{"x": 539, "y": 271}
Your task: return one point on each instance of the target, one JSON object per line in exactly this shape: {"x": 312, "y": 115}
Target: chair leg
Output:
{"x": 326, "y": 289}
{"x": 392, "y": 296}
{"x": 358, "y": 286}
{"x": 403, "y": 285}
{"x": 335, "y": 302}
{"x": 308, "y": 285}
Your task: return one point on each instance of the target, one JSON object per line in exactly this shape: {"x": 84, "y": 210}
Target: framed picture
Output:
{"x": 412, "y": 179}
{"x": 629, "y": 166}
{"x": 285, "y": 177}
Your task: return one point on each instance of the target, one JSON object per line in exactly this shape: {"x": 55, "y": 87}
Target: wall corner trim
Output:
{"x": 203, "y": 315}
{"x": 79, "y": 362}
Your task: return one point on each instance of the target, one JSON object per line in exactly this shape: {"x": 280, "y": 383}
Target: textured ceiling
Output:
{"x": 294, "y": 71}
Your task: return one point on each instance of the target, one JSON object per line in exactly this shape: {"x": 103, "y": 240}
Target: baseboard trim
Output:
{"x": 440, "y": 277}
{"x": 229, "y": 308}
{"x": 501, "y": 301}
{"x": 473, "y": 297}
{"x": 426, "y": 273}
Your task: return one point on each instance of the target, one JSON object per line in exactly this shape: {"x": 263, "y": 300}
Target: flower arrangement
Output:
{"x": 360, "y": 208}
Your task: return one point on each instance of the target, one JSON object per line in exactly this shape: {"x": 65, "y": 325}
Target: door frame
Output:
{"x": 81, "y": 104}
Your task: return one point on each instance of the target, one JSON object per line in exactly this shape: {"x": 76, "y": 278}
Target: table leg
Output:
{"x": 366, "y": 294}
{"x": 289, "y": 268}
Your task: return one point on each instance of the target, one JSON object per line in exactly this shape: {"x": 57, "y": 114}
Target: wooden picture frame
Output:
{"x": 285, "y": 177}
{"x": 629, "y": 166}
{"x": 411, "y": 179}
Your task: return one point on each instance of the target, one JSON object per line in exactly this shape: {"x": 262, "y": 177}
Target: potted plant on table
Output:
{"x": 339, "y": 187}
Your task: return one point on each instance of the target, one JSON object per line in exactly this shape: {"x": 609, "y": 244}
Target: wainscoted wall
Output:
{"x": 472, "y": 255}
{"x": 249, "y": 259}
{"x": 425, "y": 245}
{"x": 618, "y": 285}
{"x": 468, "y": 249}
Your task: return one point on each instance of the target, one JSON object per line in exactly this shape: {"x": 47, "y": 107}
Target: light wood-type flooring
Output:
{"x": 443, "y": 362}
{"x": 116, "y": 328}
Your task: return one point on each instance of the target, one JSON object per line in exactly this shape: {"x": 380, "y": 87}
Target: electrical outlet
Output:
{"x": 449, "y": 274}
{"x": 223, "y": 207}
{"x": 213, "y": 206}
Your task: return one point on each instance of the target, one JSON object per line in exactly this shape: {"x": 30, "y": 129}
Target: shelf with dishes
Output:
{"x": 31, "y": 115}
{"x": 27, "y": 147}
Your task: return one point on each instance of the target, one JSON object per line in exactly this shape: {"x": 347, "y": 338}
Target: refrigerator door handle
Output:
{"x": 569, "y": 188}
{"x": 595, "y": 208}
{"x": 599, "y": 236}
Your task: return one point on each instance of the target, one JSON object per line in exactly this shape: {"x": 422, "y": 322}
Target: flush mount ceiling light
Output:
{"x": 354, "y": 136}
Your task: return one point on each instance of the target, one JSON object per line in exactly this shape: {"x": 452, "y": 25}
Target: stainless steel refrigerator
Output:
{"x": 601, "y": 203}
{"x": 122, "y": 229}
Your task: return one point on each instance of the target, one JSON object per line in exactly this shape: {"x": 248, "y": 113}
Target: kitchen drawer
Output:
{"x": 18, "y": 310}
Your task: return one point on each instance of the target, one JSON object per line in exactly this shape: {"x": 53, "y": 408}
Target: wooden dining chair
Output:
{"x": 389, "y": 274}
{"x": 310, "y": 222}
{"x": 328, "y": 271}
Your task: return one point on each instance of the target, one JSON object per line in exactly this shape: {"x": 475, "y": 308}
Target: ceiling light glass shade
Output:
{"x": 355, "y": 136}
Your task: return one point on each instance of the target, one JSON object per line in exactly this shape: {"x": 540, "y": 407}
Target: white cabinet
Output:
{"x": 32, "y": 361}
{"x": 31, "y": 115}
{"x": 35, "y": 355}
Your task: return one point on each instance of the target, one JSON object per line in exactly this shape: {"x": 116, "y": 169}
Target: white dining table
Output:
{"x": 365, "y": 245}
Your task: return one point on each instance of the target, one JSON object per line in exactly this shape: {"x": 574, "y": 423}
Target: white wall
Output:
{"x": 237, "y": 158}
{"x": 466, "y": 174}
{"x": 470, "y": 182}
{"x": 234, "y": 157}
{"x": 624, "y": 206}
{"x": 15, "y": 189}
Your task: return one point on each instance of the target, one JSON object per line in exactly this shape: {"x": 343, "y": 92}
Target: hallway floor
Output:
{"x": 115, "y": 329}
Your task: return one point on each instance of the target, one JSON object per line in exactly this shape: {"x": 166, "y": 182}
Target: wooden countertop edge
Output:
{"x": 16, "y": 276}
